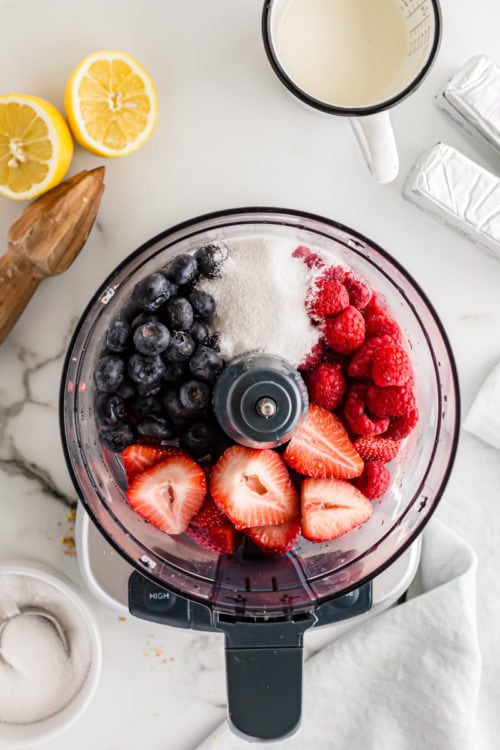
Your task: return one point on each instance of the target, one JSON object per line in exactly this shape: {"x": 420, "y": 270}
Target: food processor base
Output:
{"x": 107, "y": 575}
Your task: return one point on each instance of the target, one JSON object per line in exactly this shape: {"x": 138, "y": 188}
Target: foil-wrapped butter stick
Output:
{"x": 459, "y": 192}
{"x": 472, "y": 99}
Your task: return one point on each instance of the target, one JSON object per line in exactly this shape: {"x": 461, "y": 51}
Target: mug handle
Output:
{"x": 376, "y": 140}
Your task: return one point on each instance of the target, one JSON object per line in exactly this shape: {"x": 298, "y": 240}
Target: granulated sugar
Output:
{"x": 260, "y": 301}
{"x": 37, "y": 677}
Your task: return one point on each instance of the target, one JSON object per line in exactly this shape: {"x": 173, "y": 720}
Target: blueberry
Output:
{"x": 118, "y": 437}
{"x": 203, "y": 304}
{"x": 175, "y": 372}
{"x": 109, "y": 409}
{"x": 151, "y": 338}
{"x": 197, "y": 439}
{"x": 210, "y": 259}
{"x": 128, "y": 311}
{"x": 156, "y": 428}
{"x": 152, "y": 292}
{"x": 178, "y": 314}
{"x": 175, "y": 410}
{"x": 126, "y": 389}
{"x": 206, "y": 363}
{"x": 182, "y": 269}
{"x": 118, "y": 336}
{"x": 181, "y": 347}
{"x": 109, "y": 373}
{"x": 145, "y": 406}
{"x": 194, "y": 395}
{"x": 149, "y": 389}
{"x": 144, "y": 317}
{"x": 145, "y": 370}
{"x": 199, "y": 332}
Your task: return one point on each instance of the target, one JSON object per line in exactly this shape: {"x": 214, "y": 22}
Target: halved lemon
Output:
{"x": 35, "y": 146}
{"x": 111, "y": 103}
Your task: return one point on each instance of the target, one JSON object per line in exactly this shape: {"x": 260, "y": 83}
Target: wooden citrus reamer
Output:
{"x": 45, "y": 239}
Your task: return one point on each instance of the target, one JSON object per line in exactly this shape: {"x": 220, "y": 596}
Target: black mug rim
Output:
{"x": 333, "y": 109}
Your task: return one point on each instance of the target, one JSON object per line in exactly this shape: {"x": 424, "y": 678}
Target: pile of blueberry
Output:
{"x": 155, "y": 377}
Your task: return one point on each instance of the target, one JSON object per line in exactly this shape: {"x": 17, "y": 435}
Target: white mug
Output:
{"x": 356, "y": 58}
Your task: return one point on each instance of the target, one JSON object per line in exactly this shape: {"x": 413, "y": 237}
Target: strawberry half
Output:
{"x": 275, "y": 540}
{"x": 224, "y": 539}
{"x": 169, "y": 493}
{"x": 320, "y": 447}
{"x": 252, "y": 488}
{"x": 331, "y": 507}
{"x": 209, "y": 516}
{"x": 138, "y": 457}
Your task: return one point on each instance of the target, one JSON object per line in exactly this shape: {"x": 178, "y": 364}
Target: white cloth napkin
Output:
{"x": 424, "y": 675}
{"x": 408, "y": 678}
{"x": 483, "y": 418}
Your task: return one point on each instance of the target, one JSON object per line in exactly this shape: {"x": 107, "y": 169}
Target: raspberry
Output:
{"x": 390, "y": 401}
{"x": 379, "y": 321}
{"x": 314, "y": 357}
{"x": 345, "y": 332}
{"x": 354, "y": 411}
{"x": 335, "y": 358}
{"x": 326, "y": 386}
{"x": 312, "y": 260}
{"x": 400, "y": 427}
{"x": 360, "y": 365}
{"x": 391, "y": 365}
{"x": 333, "y": 273}
{"x": 381, "y": 449}
{"x": 359, "y": 292}
{"x": 328, "y": 297}
{"x": 374, "y": 480}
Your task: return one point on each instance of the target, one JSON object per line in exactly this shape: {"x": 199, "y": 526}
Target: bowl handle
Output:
{"x": 264, "y": 676}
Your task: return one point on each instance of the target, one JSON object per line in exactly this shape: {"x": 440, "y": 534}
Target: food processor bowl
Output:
{"x": 245, "y": 588}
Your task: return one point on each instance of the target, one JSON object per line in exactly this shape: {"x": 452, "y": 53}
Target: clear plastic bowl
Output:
{"x": 312, "y": 572}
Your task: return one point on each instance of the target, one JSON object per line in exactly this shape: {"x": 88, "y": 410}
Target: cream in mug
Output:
{"x": 347, "y": 53}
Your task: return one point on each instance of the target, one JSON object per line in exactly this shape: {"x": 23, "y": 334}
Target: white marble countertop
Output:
{"x": 228, "y": 135}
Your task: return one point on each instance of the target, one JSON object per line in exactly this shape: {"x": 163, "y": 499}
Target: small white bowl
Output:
{"x": 26, "y": 735}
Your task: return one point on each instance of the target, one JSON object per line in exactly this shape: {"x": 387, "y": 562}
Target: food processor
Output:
{"x": 262, "y": 605}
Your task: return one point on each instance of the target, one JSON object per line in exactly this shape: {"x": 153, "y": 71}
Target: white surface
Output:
{"x": 228, "y": 135}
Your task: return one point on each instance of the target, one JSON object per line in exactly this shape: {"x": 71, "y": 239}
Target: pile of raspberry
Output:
{"x": 359, "y": 369}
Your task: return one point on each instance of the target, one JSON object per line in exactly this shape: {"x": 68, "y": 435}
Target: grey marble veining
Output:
{"x": 24, "y": 391}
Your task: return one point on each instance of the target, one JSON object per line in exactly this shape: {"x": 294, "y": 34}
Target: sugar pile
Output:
{"x": 260, "y": 301}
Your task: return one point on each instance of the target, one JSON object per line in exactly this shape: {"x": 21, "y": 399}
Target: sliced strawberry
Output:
{"x": 138, "y": 457}
{"x": 320, "y": 447}
{"x": 224, "y": 539}
{"x": 275, "y": 540}
{"x": 253, "y": 488}
{"x": 331, "y": 507}
{"x": 209, "y": 516}
{"x": 381, "y": 449}
{"x": 169, "y": 493}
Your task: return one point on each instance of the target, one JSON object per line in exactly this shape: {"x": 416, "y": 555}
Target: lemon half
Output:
{"x": 35, "y": 146}
{"x": 111, "y": 103}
